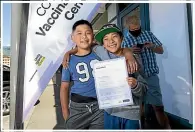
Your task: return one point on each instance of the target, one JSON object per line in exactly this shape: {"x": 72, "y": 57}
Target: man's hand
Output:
{"x": 149, "y": 45}
{"x": 65, "y": 114}
{"x": 66, "y": 60}
{"x": 155, "y": 48}
{"x": 136, "y": 50}
{"x": 132, "y": 82}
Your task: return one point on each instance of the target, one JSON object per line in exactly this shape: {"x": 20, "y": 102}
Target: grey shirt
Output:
{"x": 129, "y": 112}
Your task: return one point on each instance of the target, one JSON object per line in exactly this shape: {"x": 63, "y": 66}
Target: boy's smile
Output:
{"x": 112, "y": 42}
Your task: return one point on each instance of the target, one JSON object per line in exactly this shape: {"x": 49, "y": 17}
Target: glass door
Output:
{"x": 124, "y": 27}
{"x": 140, "y": 10}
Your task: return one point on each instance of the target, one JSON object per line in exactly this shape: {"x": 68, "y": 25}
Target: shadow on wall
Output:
{"x": 175, "y": 90}
{"x": 164, "y": 84}
{"x": 151, "y": 121}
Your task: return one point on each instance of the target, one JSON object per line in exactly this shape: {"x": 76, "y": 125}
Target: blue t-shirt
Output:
{"x": 80, "y": 71}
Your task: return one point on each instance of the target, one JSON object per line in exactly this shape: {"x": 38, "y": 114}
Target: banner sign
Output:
{"x": 48, "y": 38}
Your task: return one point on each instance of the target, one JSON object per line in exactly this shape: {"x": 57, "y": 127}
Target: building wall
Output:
{"x": 101, "y": 21}
{"x": 192, "y": 8}
{"x": 106, "y": 17}
{"x": 114, "y": 22}
{"x": 112, "y": 12}
{"x": 174, "y": 64}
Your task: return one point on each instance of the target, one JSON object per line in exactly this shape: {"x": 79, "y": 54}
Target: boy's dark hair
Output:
{"x": 81, "y": 22}
{"x": 120, "y": 34}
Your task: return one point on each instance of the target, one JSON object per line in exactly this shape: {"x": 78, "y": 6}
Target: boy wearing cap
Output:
{"x": 121, "y": 117}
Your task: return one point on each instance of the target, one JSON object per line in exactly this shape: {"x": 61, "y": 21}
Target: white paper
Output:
{"x": 111, "y": 84}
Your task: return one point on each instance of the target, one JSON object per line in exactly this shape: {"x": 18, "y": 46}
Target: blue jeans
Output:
{"x": 114, "y": 122}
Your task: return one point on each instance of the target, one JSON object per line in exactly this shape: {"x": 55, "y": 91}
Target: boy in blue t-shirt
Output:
{"x": 83, "y": 112}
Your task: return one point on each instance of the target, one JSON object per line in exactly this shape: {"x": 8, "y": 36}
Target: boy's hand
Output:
{"x": 65, "y": 114}
{"x": 132, "y": 65}
{"x": 132, "y": 82}
{"x": 67, "y": 57}
{"x": 66, "y": 60}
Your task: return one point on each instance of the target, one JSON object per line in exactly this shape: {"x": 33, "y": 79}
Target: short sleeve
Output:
{"x": 66, "y": 76}
{"x": 155, "y": 40}
{"x": 98, "y": 49}
{"x": 101, "y": 52}
{"x": 124, "y": 43}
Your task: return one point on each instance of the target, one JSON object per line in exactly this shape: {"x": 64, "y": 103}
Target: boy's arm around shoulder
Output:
{"x": 141, "y": 87}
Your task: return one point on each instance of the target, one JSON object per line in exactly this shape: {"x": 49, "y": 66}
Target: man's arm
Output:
{"x": 155, "y": 48}
{"x": 158, "y": 49}
{"x": 155, "y": 45}
{"x": 64, "y": 99}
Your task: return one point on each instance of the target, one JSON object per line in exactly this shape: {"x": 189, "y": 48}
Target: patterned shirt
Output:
{"x": 147, "y": 55}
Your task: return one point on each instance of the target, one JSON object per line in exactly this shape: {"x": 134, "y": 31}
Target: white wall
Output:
{"x": 114, "y": 22}
{"x": 192, "y": 9}
{"x": 112, "y": 11}
{"x": 169, "y": 23}
{"x": 108, "y": 15}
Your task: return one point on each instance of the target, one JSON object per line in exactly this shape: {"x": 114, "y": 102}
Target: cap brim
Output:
{"x": 100, "y": 34}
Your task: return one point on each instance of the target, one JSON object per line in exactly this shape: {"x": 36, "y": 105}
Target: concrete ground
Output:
{"x": 44, "y": 116}
{"x": 47, "y": 114}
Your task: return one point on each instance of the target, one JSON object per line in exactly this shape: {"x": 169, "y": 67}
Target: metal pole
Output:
{"x": 18, "y": 51}
{"x": 19, "y": 123}
{"x": 1, "y": 59}
{"x": 15, "y": 40}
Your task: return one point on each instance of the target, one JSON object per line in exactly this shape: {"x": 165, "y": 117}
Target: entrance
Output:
{"x": 140, "y": 10}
